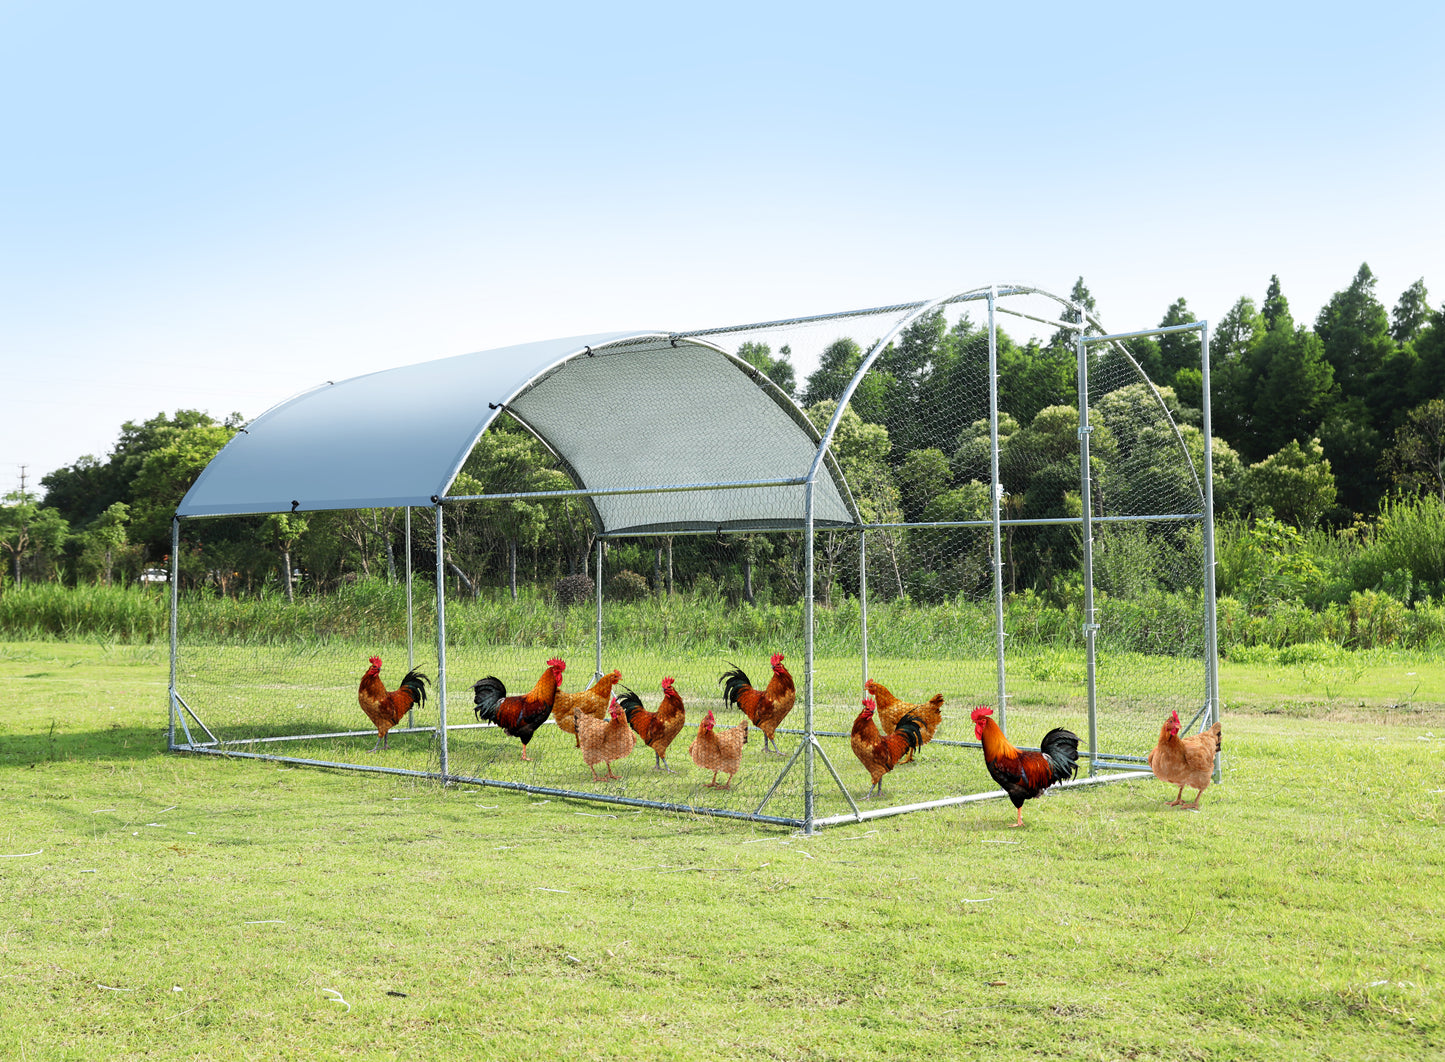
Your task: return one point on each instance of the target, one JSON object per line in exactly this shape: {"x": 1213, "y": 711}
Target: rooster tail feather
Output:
{"x": 630, "y": 703}
{"x": 911, "y": 729}
{"x": 1061, "y": 748}
{"x": 734, "y": 682}
{"x": 487, "y": 694}
{"x": 415, "y": 683}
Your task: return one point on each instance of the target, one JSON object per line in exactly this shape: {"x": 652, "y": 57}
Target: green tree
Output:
{"x": 910, "y": 368}
{"x": 923, "y": 476}
{"x": 105, "y": 539}
{"x": 1296, "y": 484}
{"x": 1416, "y": 460}
{"x": 1033, "y": 377}
{"x": 1189, "y": 388}
{"x": 1276, "y": 306}
{"x": 861, "y": 450}
{"x": 507, "y": 459}
{"x": 31, "y": 531}
{"x": 1079, "y": 295}
{"x": 166, "y": 472}
{"x": 1236, "y": 332}
{"x": 778, "y": 369}
{"x": 1353, "y": 445}
{"x": 84, "y": 490}
{"x": 836, "y": 366}
{"x": 973, "y": 460}
{"x": 1293, "y": 388}
{"x": 285, "y": 530}
{"x": 1411, "y": 313}
{"x": 1266, "y": 563}
{"x": 1427, "y": 379}
{"x": 1355, "y": 331}
{"x": 1178, "y": 350}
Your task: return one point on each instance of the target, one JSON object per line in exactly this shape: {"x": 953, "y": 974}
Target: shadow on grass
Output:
{"x": 58, "y": 746}
{"x": 121, "y": 742}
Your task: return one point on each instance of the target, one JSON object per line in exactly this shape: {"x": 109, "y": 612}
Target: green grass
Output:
{"x": 181, "y": 908}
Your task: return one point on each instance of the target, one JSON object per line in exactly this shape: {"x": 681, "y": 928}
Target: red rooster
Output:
{"x": 657, "y": 729}
{"x": 1025, "y": 775}
{"x": 877, "y": 753}
{"x": 384, "y": 708}
{"x": 518, "y": 716}
{"x": 766, "y": 708}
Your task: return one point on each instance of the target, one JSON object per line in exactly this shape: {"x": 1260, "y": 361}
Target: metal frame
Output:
{"x": 810, "y": 750}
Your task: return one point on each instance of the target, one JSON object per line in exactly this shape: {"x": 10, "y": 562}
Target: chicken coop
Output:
{"x": 940, "y": 507}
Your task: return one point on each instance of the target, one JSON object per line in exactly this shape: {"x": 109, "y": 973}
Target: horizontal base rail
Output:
{"x": 969, "y": 798}
{"x": 205, "y": 749}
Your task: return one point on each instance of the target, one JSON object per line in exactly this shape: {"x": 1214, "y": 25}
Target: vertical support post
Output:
{"x": 1211, "y": 630}
{"x": 996, "y": 509}
{"x": 1091, "y": 628}
{"x": 808, "y": 738}
{"x": 597, "y": 672}
{"x": 441, "y": 639}
{"x": 863, "y": 597}
{"x": 410, "y": 637}
{"x": 175, "y": 605}
{"x": 410, "y": 634}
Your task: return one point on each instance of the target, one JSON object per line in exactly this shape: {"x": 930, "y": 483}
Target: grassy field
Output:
{"x": 159, "y": 906}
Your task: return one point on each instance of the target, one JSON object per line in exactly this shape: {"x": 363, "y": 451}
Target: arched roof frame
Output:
{"x": 636, "y": 419}
{"x": 992, "y": 294}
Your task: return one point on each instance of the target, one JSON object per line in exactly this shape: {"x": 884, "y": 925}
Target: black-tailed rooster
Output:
{"x": 518, "y": 716}
{"x": 388, "y": 708}
{"x": 1024, "y": 775}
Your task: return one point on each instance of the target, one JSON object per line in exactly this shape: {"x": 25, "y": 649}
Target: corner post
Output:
{"x": 441, "y": 637}
{"x": 1091, "y": 627}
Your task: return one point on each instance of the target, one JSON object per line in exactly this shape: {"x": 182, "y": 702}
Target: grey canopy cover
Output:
{"x": 620, "y": 411}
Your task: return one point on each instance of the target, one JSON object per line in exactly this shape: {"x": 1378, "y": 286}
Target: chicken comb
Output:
{"x": 980, "y": 712}
{"x": 777, "y": 659}
{"x": 870, "y": 704}
{"x": 375, "y": 661}
{"x": 560, "y": 665}
{"x": 667, "y": 682}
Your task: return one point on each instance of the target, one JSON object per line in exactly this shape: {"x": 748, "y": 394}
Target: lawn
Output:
{"x": 172, "y": 907}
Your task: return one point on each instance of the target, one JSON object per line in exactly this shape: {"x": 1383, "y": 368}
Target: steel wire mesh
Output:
{"x": 908, "y": 597}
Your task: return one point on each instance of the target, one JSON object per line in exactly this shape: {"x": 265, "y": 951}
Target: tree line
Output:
{"x": 1316, "y": 426}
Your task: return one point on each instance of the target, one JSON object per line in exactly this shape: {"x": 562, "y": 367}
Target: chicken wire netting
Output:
{"x": 915, "y": 594}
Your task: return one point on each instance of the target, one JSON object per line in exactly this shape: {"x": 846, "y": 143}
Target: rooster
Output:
{"x": 1185, "y": 761}
{"x": 603, "y": 740}
{"x": 1024, "y": 775}
{"x": 657, "y": 729}
{"x": 891, "y": 710}
{"x": 518, "y": 716}
{"x": 767, "y": 708}
{"x": 387, "y": 709}
{"x": 715, "y": 750}
{"x": 877, "y": 753}
{"x": 593, "y": 701}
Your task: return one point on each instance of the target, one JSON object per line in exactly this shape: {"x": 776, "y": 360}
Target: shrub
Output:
{"x": 1406, "y": 554}
{"x": 627, "y": 585}
{"x": 574, "y": 590}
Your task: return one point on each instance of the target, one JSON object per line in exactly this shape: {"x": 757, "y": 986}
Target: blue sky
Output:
{"x": 215, "y": 206}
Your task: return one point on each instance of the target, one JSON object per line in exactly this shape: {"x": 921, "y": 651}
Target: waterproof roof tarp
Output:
{"x": 621, "y": 411}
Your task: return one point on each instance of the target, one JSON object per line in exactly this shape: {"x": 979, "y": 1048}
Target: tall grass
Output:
{"x": 373, "y": 612}
{"x": 1405, "y": 556}
{"x": 43, "y": 611}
